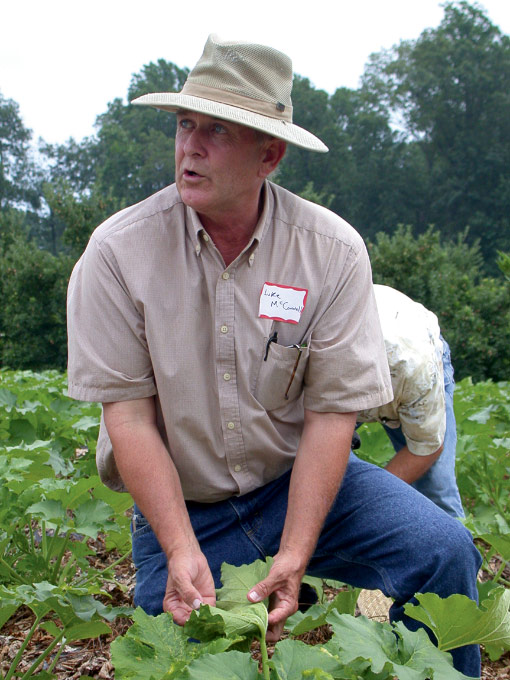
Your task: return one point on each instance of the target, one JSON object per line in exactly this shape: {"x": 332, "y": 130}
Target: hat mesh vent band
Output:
{"x": 234, "y": 99}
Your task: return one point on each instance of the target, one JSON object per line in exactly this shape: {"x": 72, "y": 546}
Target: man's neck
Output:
{"x": 232, "y": 233}
{"x": 229, "y": 240}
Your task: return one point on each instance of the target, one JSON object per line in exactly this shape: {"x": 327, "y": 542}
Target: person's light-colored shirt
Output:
{"x": 415, "y": 349}
{"x": 152, "y": 310}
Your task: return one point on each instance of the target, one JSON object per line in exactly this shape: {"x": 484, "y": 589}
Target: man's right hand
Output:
{"x": 190, "y": 584}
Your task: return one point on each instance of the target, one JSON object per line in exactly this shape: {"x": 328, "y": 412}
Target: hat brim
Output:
{"x": 288, "y": 132}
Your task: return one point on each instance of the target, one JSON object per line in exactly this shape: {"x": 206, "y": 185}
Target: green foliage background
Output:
{"x": 447, "y": 277}
{"x": 52, "y": 501}
{"x": 419, "y": 163}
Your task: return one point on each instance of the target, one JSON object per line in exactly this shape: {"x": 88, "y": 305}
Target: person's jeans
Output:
{"x": 439, "y": 483}
{"x": 379, "y": 534}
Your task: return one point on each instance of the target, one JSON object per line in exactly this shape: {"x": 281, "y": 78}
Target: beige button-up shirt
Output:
{"x": 415, "y": 356}
{"x": 152, "y": 310}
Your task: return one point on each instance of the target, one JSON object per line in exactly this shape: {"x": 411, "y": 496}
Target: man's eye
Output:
{"x": 184, "y": 123}
{"x": 219, "y": 128}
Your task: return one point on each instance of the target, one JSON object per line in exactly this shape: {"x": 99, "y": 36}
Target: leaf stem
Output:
{"x": 102, "y": 571}
{"x": 32, "y": 539}
{"x": 264, "y": 657}
{"x": 21, "y": 650}
{"x": 487, "y": 558}
{"x": 66, "y": 570}
{"x": 60, "y": 555}
{"x": 57, "y": 656}
{"x": 44, "y": 541}
{"x": 12, "y": 572}
{"x": 42, "y": 656}
{"x": 52, "y": 541}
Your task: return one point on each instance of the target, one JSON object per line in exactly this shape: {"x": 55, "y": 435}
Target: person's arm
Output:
{"x": 421, "y": 410}
{"x": 410, "y": 467}
{"x": 152, "y": 480}
{"x": 318, "y": 470}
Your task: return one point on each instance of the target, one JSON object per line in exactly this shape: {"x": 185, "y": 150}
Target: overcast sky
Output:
{"x": 62, "y": 61}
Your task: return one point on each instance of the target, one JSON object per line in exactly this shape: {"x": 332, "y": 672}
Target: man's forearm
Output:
{"x": 316, "y": 477}
{"x": 409, "y": 467}
{"x": 152, "y": 479}
{"x": 317, "y": 473}
{"x": 148, "y": 471}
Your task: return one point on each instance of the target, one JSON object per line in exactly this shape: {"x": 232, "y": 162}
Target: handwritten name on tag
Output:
{"x": 282, "y": 303}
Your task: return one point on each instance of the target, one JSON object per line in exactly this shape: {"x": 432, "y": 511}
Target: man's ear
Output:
{"x": 273, "y": 153}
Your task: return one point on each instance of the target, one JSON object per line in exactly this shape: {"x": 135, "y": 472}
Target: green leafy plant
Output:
{"x": 53, "y": 507}
{"x": 67, "y": 614}
{"x": 51, "y": 510}
{"x": 457, "y": 621}
{"x": 156, "y": 649}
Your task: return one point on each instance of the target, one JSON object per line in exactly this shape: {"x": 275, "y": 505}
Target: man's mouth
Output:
{"x": 191, "y": 173}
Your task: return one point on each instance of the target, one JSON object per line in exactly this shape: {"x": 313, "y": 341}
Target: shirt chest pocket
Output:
{"x": 280, "y": 377}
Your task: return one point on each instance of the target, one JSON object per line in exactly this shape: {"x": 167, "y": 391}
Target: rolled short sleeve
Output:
{"x": 108, "y": 357}
{"x": 348, "y": 368}
{"x": 423, "y": 416}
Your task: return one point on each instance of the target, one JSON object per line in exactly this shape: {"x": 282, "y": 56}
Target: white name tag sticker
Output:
{"x": 282, "y": 303}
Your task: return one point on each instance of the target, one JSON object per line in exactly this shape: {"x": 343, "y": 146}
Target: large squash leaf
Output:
{"x": 458, "y": 621}
{"x": 315, "y": 616}
{"x": 155, "y": 647}
{"x": 247, "y": 620}
{"x": 293, "y": 657}
{"x": 238, "y": 581}
{"x": 407, "y": 655}
{"x": 227, "y": 666}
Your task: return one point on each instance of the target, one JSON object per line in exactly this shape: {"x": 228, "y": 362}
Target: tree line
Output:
{"x": 419, "y": 163}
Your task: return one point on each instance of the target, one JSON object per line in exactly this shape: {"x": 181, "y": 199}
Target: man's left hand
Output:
{"x": 281, "y": 586}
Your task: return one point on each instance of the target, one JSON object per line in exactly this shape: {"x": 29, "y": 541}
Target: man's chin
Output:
{"x": 193, "y": 198}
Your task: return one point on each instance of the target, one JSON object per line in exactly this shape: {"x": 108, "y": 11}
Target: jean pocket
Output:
{"x": 280, "y": 377}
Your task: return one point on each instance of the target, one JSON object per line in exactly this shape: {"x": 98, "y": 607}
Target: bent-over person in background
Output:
{"x": 420, "y": 420}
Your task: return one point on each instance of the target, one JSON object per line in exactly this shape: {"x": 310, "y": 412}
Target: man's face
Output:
{"x": 218, "y": 164}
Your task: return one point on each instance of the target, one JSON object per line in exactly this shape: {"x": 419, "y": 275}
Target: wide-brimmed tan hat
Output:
{"x": 244, "y": 83}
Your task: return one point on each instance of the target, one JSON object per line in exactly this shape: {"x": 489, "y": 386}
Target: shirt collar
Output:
{"x": 265, "y": 216}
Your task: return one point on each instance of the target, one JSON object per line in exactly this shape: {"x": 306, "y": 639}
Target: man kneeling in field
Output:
{"x": 230, "y": 330}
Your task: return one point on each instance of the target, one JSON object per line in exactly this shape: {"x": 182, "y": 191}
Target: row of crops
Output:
{"x": 54, "y": 513}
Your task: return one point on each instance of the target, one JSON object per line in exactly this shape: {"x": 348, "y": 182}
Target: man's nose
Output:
{"x": 194, "y": 143}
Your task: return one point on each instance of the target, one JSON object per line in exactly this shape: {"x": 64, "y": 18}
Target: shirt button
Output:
{"x": 251, "y": 258}
{"x": 224, "y": 329}
{"x": 206, "y": 238}
{"x": 225, "y": 276}
{"x": 197, "y": 248}
{"x": 226, "y": 376}
{"x": 230, "y": 425}
{"x": 237, "y": 468}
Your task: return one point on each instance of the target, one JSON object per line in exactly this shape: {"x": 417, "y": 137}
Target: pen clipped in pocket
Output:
{"x": 281, "y": 373}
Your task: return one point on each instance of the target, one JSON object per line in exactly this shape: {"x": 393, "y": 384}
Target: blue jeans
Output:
{"x": 380, "y": 533}
{"x": 439, "y": 482}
